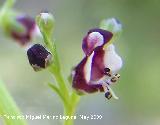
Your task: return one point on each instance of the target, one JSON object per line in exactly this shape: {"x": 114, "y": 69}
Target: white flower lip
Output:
{"x": 112, "y": 60}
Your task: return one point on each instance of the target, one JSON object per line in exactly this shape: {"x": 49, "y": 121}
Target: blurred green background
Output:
{"x": 139, "y": 45}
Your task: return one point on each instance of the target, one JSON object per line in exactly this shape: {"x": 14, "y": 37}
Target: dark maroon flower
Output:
{"x": 94, "y": 38}
{"x": 30, "y": 28}
{"x": 39, "y": 57}
{"x": 99, "y": 67}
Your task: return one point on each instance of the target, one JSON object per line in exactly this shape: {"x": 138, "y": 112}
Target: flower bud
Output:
{"x": 39, "y": 57}
{"x": 113, "y": 25}
{"x": 22, "y": 29}
{"x": 46, "y": 22}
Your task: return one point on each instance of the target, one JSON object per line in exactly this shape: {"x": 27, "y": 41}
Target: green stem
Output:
{"x": 8, "y": 108}
{"x": 70, "y": 111}
{"x": 61, "y": 82}
{"x": 60, "y": 94}
{"x": 70, "y": 101}
{"x": 69, "y": 98}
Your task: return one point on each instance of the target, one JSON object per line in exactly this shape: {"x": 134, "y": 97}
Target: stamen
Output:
{"x": 108, "y": 94}
{"x": 112, "y": 92}
{"x": 107, "y": 70}
{"x": 108, "y": 91}
{"x": 117, "y": 75}
{"x": 114, "y": 79}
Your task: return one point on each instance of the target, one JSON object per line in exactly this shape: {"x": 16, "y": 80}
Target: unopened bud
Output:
{"x": 46, "y": 22}
{"x": 39, "y": 57}
{"x": 113, "y": 25}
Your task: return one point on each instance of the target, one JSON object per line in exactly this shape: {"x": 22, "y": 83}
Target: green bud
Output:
{"x": 46, "y": 23}
{"x": 113, "y": 25}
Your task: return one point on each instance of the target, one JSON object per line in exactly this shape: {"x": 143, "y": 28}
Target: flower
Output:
{"x": 99, "y": 67}
{"x": 39, "y": 57}
{"x": 29, "y": 29}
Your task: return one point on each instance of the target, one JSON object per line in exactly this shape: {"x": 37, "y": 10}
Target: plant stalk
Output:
{"x": 8, "y": 108}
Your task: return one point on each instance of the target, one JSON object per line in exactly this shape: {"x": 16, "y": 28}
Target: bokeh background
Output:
{"x": 139, "y": 45}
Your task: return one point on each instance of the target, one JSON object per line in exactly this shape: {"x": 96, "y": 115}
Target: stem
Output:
{"x": 57, "y": 90}
{"x": 61, "y": 82}
{"x": 70, "y": 101}
{"x": 74, "y": 99}
{"x": 69, "y": 98}
{"x": 8, "y": 108}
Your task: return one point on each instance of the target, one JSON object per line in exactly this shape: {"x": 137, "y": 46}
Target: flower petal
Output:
{"x": 81, "y": 77}
{"x": 98, "y": 66}
{"x": 111, "y": 59}
{"x": 89, "y": 74}
{"x": 104, "y": 58}
{"x": 94, "y": 38}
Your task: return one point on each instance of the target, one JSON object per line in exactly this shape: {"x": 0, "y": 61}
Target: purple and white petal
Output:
{"x": 98, "y": 66}
{"x": 94, "y": 38}
{"x": 81, "y": 77}
{"x": 105, "y": 58}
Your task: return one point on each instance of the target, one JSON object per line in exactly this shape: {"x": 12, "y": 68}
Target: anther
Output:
{"x": 114, "y": 79}
{"x": 107, "y": 72}
{"x": 108, "y": 95}
{"x": 117, "y": 75}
